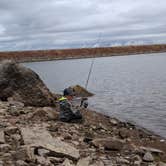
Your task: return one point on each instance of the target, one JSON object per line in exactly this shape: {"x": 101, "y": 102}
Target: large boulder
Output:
{"x": 81, "y": 91}
{"x": 24, "y": 85}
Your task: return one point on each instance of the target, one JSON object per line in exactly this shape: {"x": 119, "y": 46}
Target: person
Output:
{"x": 67, "y": 112}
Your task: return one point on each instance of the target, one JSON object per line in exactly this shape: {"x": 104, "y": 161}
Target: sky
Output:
{"x": 56, "y": 24}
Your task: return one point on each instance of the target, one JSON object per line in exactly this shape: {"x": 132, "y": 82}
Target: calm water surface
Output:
{"x": 132, "y": 88}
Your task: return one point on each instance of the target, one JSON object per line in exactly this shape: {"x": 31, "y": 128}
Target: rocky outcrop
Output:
{"x": 81, "y": 91}
{"x": 24, "y": 85}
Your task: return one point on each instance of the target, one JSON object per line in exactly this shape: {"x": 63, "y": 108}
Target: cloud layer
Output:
{"x": 36, "y": 24}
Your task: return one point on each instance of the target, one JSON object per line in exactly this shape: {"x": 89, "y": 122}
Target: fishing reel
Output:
{"x": 84, "y": 102}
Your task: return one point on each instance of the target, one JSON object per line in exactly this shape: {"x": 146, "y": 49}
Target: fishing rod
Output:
{"x": 92, "y": 63}
{"x": 90, "y": 71}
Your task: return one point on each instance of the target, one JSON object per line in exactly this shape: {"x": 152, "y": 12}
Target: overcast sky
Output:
{"x": 42, "y": 24}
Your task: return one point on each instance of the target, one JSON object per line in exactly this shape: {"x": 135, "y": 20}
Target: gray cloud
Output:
{"x": 36, "y": 24}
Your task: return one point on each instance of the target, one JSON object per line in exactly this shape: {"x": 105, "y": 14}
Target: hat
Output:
{"x": 68, "y": 92}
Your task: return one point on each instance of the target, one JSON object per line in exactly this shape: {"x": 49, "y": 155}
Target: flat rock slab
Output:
{"x": 39, "y": 137}
{"x": 152, "y": 150}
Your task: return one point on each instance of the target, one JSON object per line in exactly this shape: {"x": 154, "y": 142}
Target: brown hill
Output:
{"x": 38, "y": 55}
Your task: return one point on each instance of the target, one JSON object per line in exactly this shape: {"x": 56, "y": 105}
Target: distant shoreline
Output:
{"x": 63, "y": 54}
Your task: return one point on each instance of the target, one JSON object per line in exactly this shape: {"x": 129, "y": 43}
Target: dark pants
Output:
{"x": 71, "y": 117}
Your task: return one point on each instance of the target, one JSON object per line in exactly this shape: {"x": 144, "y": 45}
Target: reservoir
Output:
{"x": 131, "y": 88}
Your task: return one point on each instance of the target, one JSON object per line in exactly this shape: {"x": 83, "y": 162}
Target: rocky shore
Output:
{"x": 35, "y": 136}
{"x": 32, "y": 135}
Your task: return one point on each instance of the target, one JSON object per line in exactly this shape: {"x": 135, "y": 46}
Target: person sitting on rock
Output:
{"x": 67, "y": 111}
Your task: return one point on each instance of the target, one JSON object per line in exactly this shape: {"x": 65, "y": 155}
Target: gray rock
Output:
{"x": 1, "y": 163}
{"x": 21, "y": 163}
{"x": 148, "y": 157}
{"x": 114, "y": 122}
{"x": 40, "y": 138}
{"x": 109, "y": 143}
{"x": 16, "y": 104}
{"x": 43, "y": 161}
{"x": 23, "y": 85}
{"x": 2, "y": 138}
{"x": 121, "y": 160}
{"x": 55, "y": 160}
{"x": 84, "y": 161}
{"x": 98, "y": 163}
{"x": 11, "y": 130}
{"x": 5, "y": 148}
{"x": 137, "y": 158}
{"x": 152, "y": 150}
{"x": 161, "y": 164}
{"x": 25, "y": 153}
{"x": 67, "y": 162}
{"x": 43, "y": 152}
{"x": 6, "y": 156}
{"x": 124, "y": 133}
{"x": 46, "y": 113}
{"x": 137, "y": 163}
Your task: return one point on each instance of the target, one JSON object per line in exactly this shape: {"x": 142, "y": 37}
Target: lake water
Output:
{"x": 131, "y": 88}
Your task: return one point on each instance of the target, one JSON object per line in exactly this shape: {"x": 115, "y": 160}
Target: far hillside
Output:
{"x": 42, "y": 55}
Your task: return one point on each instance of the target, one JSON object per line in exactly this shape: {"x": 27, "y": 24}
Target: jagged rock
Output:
{"x": 55, "y": 160}
{"x": 13, "y": 137}
{"x": 43, "y": 152}
{"x": 84, "y": 161}
{"x": 14, "y": 111}
{"x": 9, "y": 163}
{"x": 45, "y": 113}
{"x": 97, "y": 163}
{"x": 1, "y": 163}
{"x": 148, "y": 157}
{"x": 152, "y": 150}
{"x": 2, "y": 138}
{"x": 161, "y": 164}
{"x": 43, "y": 161}
{"x": 113, "y": 121}
{"x": 137, "y": 163}
{"x": 7, "y": 156}
{"x": 25, "y": 153}
{"x": 3, "y": 110}
{"x": 21, "y": 163}
{"x": 109, "y": 143}
{"x": 81, "y": 92}
{"x": 67, "y": 136}
{"x": 11, "y": 130}
{"x": 40, "y": 138}
{"x": 124, "y": 133}
{"x": 67, "y": 162}
{"x": 137, "y": 158}
{"x": 4, "y": 148}
{"x": 121, "y": 160}
{"x": 23, "y": 85}
{"x": 16, "y": 104}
